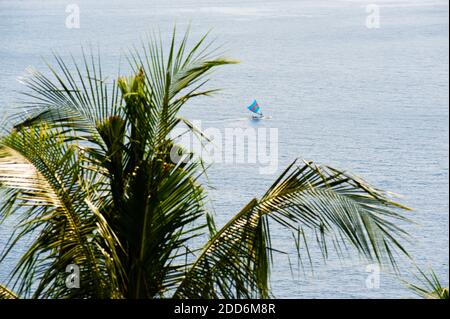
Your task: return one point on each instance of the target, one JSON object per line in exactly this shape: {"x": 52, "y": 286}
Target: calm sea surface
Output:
{"x": 372, "y": 101}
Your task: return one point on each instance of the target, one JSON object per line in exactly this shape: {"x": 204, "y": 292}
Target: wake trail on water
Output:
{"x": 239, "y": 119}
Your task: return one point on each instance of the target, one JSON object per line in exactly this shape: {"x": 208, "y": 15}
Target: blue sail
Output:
{"x": 254, "y": 107}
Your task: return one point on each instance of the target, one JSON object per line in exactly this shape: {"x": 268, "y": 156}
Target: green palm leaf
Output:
{"x": 336, "y": 206}
{"x": 429, "y": 286}
{"x": 5, "y": 293}
{"x": 43, "y": 176}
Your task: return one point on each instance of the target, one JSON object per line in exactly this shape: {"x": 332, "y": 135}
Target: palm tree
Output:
{"x": 87, "y": 172}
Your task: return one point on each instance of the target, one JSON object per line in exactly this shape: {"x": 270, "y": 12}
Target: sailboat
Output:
{"x": 255, "y": 109}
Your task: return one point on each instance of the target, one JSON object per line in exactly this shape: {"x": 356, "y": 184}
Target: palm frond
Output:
{"x": 337, "y": 207}
{"x": 429, "y": 286}
{"x": 76, "y": 96}
{"x": 234, "y": 263}
{"x": 46, "y": 186}
{"x": 5, "y": 293}
{"x": 159, "y": 223}
{"x": 172, "y": 80}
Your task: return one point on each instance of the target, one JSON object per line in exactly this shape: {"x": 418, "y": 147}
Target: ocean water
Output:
{"x": 373, "y": 101}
